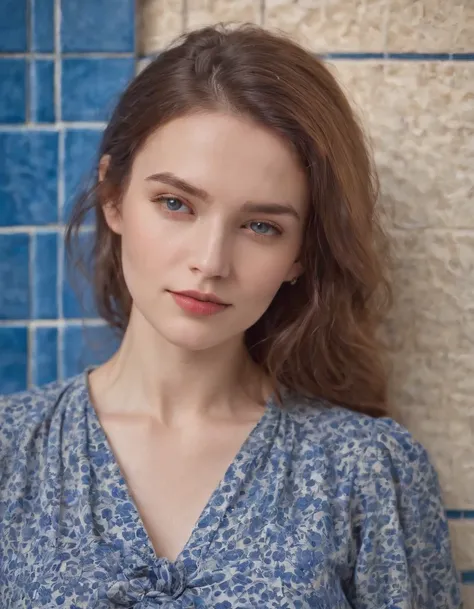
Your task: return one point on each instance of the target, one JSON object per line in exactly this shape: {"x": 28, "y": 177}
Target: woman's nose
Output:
{"x": 212, "y": 253}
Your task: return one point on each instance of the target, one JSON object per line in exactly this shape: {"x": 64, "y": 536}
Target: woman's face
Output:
{"x": 215, "y": 204}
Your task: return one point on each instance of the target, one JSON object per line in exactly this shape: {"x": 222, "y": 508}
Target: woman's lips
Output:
{"x": 196, "y": 306}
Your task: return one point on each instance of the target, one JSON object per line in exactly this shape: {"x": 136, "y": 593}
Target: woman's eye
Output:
{"x": 264, "y": 228}
{"x": 172, "y": 204}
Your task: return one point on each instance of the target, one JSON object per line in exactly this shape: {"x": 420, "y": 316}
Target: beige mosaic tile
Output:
{"x": 417, "y": 379}
{"x": 159, "y": 23}
{"x": 206, "y": 12}
{"x": 420, "y": 116}
{"x": 462, "y": 536}
{"x": 445, "y": 317}
{"x": 459, "y": 393}
{"x": 425, "y": 25}
{"x": 339, "y": 25}
{"x": 464, "y": 34}
{"x": 468, "y": 596}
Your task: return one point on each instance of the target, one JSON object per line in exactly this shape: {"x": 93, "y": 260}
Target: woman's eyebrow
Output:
{"x": 277, "y": 209}
{"x": 173, "y": 180}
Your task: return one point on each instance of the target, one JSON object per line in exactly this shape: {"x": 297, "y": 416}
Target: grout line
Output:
{"x": 29, "y": 72}
{"x": 78, "y": 55}
{"x": 441, "y": 56}
{"x": 46, "y": 228}
{"x": 184, "y": 15}
{"x": 53, "y": 323}
{"x": 56, "y": 126}
{"x": 378, "y": 55}
{"x": 59, "y": 239}
{"x": 31, "y": 356}
{"x": 385, "y": 24}
{"x": 31, "y": 336}
{"x": 57, "y": 61}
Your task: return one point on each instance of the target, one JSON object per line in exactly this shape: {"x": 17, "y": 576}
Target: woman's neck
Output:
{"x": 149, "y": 375}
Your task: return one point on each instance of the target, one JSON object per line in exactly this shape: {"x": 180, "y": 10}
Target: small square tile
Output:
{"x": 325, "y": 27}
{"x": 98, "y": 26}
{"x": 468, "y": 597}
{"x": 97, "y": 84}
{"x": 45, "y": 276}
{"x": 12, "y": 90}
{"x": 28, "y": 178}
{"x": 81, "y": 151}
{"x": 86, "y": 346}
{"x": 78, "y": 297}
{"x": 13, "y": 359}
{"x": 200, "y": 13}
{"x": 13, "y": 38}
{"x": 429, "y": 26}
{"x": 42, "y": 91}
{"x": 43, "y": 25}
{"x": 14, "y": 276}
{"x": 158, "y": 23}
{"x": 44, "y": 365}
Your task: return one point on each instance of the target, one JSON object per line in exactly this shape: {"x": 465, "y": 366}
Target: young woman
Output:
{"x": 233, "y": 452}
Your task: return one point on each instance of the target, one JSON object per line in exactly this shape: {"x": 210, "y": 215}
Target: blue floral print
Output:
{"x": 321, "y": 508}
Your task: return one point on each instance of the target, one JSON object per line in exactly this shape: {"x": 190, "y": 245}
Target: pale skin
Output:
{"x": 181, "y": 395}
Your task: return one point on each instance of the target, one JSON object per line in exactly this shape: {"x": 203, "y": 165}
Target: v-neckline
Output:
{"x": 210, "y": 518}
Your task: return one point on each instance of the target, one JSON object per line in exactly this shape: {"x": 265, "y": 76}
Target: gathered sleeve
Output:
{"x": 401, "y": 541}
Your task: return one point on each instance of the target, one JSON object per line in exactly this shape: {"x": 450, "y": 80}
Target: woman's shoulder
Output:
{"x": 26, "y": 410}
{"x": 351, "y": 437}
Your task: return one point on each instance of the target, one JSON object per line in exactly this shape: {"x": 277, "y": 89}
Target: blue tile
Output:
{"x": 96, "y": 83}
{"x": 44, "y": 365}
{"x": 467, "y": 577}
{"x": 13, "y": 359}
{"x": 78, "y": 297}
{"x": 98, "y": 25}
{"x": 13, "y": 38}
{"x": 14, "y": 276}
{"x": 419, "y": 56}
{"x": 351, "y": 56}
{"x": 42, "y": 25}
{"x": 86, "y": 346}
{"x": 12, "y": 90}
{"x": 28, "y": 178}
{"x": 45, "y": 274}
{"x": 42, "y": 91}
{"x": 81, "y": 150}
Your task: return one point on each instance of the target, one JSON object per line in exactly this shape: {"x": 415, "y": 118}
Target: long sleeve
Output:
{"x": 401, "y": 538}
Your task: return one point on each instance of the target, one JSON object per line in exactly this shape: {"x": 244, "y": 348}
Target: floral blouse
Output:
{"x": 321, "y": 508}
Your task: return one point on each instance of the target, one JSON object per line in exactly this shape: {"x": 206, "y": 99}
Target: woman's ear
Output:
{"x": 295, "y": 271}
{"x": 111, "y": 210}
{"x": 103, "y": 166}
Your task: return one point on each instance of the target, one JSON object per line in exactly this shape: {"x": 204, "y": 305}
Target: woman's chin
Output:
{"x": 192, "y": 339}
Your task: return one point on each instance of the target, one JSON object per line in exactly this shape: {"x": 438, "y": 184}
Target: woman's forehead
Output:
{"x": 220, "y": 151}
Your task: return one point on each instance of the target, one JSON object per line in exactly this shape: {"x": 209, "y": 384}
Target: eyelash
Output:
{"x": 161, "y": 199}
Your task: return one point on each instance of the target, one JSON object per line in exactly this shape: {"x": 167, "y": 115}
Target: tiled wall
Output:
{"x": 408, "y": 65}
{"x": 62, "y": 64}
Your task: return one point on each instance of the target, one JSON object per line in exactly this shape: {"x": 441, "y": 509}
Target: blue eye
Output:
{"x": 264, "y": 228}
{"x": 172, "y": 204}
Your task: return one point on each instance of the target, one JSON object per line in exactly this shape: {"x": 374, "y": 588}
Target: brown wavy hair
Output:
{"x": 318, "y": 337}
